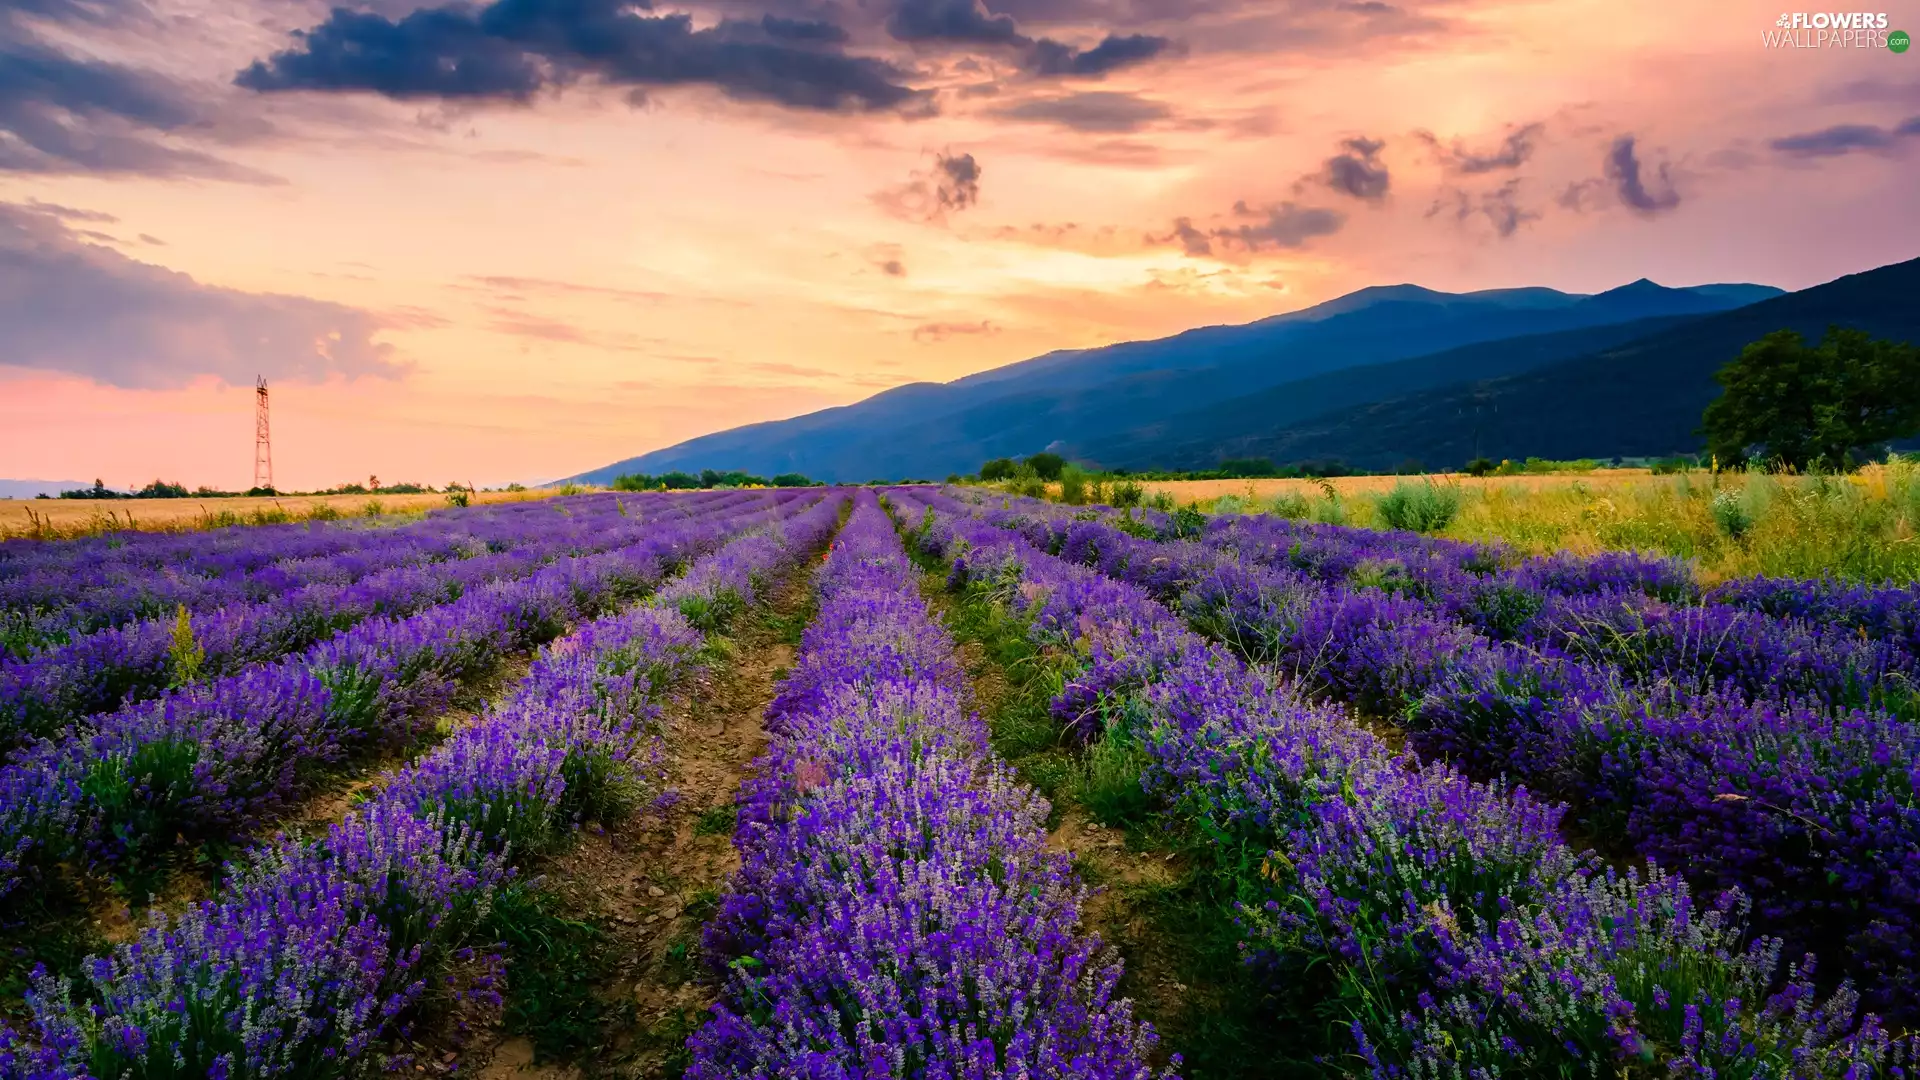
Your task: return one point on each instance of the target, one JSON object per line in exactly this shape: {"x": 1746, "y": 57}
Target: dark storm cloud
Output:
{"x": 1513, "y": 151}
{"x": 512, "y": 49}
{"x": 71, "y": 306}
{"x": 1845, "y": 139}
{"x": 1099, "y": 110}
{"x": 1358, "y": 170}
{"x": 1624, "y": 171}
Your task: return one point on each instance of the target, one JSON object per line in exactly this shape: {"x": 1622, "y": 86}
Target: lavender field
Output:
{"x": 937, "y": 783}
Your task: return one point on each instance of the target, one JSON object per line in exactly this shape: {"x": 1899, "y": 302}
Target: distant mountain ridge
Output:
{"x": 27, "y": 489}
{"x": 1081, "y": 401}
{"x": 1643, "y": 397}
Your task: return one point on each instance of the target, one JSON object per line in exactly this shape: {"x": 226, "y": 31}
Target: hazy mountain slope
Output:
{"x": 27, "y": 489}
{"x": 1071, "y": 398}
{"x": 1641, "y": 398}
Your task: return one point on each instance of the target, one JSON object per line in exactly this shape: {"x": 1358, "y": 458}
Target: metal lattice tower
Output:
{"x": 262, "y": 441}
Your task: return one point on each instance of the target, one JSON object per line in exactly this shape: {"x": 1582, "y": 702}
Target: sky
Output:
{"x": 513, "y": 240}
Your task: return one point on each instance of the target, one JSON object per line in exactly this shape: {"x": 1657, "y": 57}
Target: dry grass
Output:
{"x": 49, "y": 519}
{"x": 1185, "y": 491}
{"x": 1861, "y": 526}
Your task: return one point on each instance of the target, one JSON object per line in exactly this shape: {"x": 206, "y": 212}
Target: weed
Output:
{"x": 717, "y": 820}
{"x": 1425, "y": 507}
{"x": 1073, "y": 486}
{"x": 1289, "y": 504}
{"x": 1107, "y": 781}
{"x": 185, "y": 654}
{"x": 1330, "y": 510}
{"x": 554, "y": 964}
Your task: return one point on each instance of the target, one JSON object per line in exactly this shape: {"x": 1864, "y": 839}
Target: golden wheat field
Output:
{"x": 48, "y": 518}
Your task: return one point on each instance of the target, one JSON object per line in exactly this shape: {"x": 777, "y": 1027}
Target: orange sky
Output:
{"x": 489, "y": 289}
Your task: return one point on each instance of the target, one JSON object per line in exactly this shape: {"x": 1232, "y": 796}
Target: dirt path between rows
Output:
{"x": 648, "y": 884}
{"x": 1107, "y": 858}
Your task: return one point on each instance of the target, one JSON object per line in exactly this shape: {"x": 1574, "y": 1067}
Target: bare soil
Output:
{"x": 650, "y": 882}
{"x": 1115, "y": 865}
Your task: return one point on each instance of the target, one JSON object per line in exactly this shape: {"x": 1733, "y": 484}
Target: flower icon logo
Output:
{"x": 1784, "y": 21}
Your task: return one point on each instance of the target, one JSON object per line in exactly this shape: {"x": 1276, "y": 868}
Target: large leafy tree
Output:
{"x": 1825, "y": 405}
{"x": 1047, "y": 466}
{"x": 998, "y": 469}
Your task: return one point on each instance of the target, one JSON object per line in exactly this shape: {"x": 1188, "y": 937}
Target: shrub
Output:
{"x": 1330, "y": 510}
{"x": 1424, "y": 508}
{"x": 1289, "y": 504}
{"x": 1480, "y": 466}
{"x": 1229, "y": 504}
{"x": 1903, "y": 487}
{"x": 998, "y": 469}
{"x": 1073, "y": 486}
{"x": 1046, "y": 466}
{"x": 1239, "y": 468}
{"x": 1732, "y": 512}
{"x": 1127, "y": 493}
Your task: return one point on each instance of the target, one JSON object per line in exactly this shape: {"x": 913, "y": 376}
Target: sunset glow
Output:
{"x": 446, "y": 278}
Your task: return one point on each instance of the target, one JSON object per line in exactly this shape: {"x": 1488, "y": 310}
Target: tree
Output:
{"x": 1825, "y": 406}
{"x": 1047, "y": 466}
{"x": 998, "y": 469}
{"x": 1239, "y": 468}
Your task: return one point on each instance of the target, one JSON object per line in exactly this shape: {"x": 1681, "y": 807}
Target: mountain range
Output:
{"x": 27, "y": 489}
{"x": 1372, "y": 378}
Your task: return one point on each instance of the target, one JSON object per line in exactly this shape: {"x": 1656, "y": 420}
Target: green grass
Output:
{"x": 1424, "y": 508}
{"x": 716, "y": 820}
{"x": 555, "y": 963}
{"x": 1232, "y": 1026}
{"x": 1229, "y": 1025}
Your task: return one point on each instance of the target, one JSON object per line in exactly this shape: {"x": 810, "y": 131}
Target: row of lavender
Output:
{"x": 897, "y": 912}
{"x": 1498, "y": 590}
{"x": 318, "y": 951}
{"x": 51, "y": 592}
{"x": 1773, "y": 753}
{"x": 44, "y": 691}
{"x": 1461, "y": 934}
{"x": 207, "y": 763}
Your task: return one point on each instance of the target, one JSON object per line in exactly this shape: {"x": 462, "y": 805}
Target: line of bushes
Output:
{"x": 708, "y": 478}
